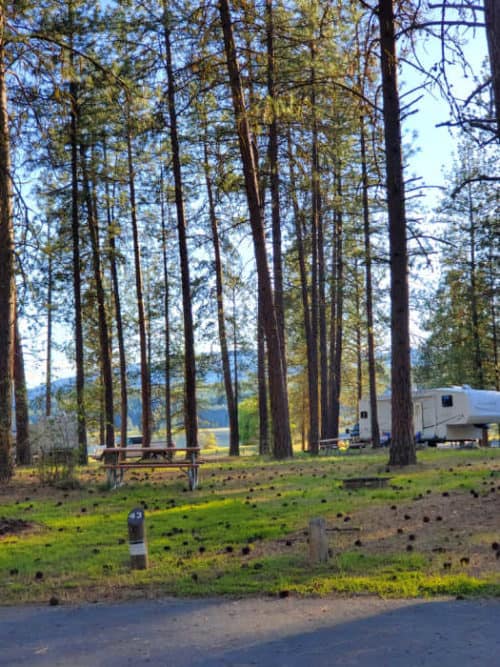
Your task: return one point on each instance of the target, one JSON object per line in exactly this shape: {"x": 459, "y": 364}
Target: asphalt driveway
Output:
{"x": 361, "y": 631}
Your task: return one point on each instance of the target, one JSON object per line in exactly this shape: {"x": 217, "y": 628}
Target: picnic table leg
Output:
{"x": 114, "y": 477}
{"x": 110, "y": 477}
{"x": 193, "y": 478}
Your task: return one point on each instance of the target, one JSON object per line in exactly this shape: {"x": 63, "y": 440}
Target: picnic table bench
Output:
{"x": 330, "y": 444}
{"x": 118, "y": 459}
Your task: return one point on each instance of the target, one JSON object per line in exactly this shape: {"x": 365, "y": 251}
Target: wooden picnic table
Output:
{"x": 118, "y": 459}
{"x": 329, "y": 444}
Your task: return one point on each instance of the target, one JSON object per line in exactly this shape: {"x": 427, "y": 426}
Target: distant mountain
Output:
{"x": 212, "y": 409}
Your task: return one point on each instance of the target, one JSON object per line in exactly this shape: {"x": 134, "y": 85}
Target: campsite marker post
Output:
{"x": 137, "y": 540}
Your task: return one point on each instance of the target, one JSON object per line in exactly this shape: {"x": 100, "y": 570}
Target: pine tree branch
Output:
{"x": 474, "y": 179}
{"x": 93, "y": 61}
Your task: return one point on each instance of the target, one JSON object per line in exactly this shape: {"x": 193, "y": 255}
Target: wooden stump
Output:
{"x": 318, "y": 542}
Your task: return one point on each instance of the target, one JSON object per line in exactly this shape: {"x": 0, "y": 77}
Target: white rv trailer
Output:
{"x": 439, "y": 415}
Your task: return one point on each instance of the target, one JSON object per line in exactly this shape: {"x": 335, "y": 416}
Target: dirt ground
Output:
{"x": 456, "y": 530}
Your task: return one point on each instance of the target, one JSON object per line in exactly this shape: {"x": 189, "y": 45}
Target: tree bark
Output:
{"x": 275, "y": 182}
{"x": 166, "y": 317}
{"x": 48, "y": 360}
{"x": 372, "y": 380}
{"x": 77, "y": 281}
{"x": 492, "y": 24}
{"x": 190, "y": 411}
{"x": 322, "y": 330}
{"x": 7, "y": 281}
{"x": 234, "y": 438}
{"x": 337, "y": 311}
{"x": 282, "y": 446}
{"x": 478, "y": 361}
{"x": 104, "y": 342}
{"x": 23, "y": 450}
{"x": 318, "y": 278}
{"x": 122, "y": 360}
{"x": 143, "y": 343}
{"x": 359, "y": 338}
{"x": 262, "y": 385}
{"x": 312, "y": 357}
{"x": 492, "y": 278}
{"x": 319, "y": 387}
{"x": 402, "y": 437}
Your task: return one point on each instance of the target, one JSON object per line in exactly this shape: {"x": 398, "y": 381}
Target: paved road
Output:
{"x": 363, "y": 631}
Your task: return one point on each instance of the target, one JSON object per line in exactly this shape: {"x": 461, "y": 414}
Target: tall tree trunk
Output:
{"x": 102, "y": 410}
{"x": 402, "y": 437}
{"x": 149, "y": 342}
{"x": 262, "y": 385}
{"x": 166, "y": 318}
{"x": 7, "y": 280}
{"x": 275, "y": 182}
{"x": 337, "y": 312}
{"x": 492, "y": 24}
{"x": 318, "y": 279}
{"x": 312, "y": 357}
{"x": 282, "y": 445}
{"x": 492, "y": 277}
{"x": 478, "y": 362}
{"x": 23, "y": 450}
{"x": 236, "y": 389}
{"x": 323, "y": 347}
{"x": 104, "y": 342}
{"x": 77, "y": 281}
{"x": 315, "y": 222}
{"x": 122, "y": 360}
{"x": 48, "y": 361}
{"x": 143, "y": 343}
{"x": 372, "y": 380}
{"x": 234, "y": 438}
{"x": 190, "y": 418}
{"x": 359, "y": 344}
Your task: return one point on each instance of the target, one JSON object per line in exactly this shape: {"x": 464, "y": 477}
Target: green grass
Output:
{"x": 241, "y": 533}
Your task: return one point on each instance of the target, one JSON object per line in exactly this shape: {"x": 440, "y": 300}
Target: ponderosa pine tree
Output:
{"x": 282, "y": 446}
{"x": 102, "y": 325}
{"x": 23, "y": 447}
{"x": 190, "y": 417}
{"x": 274, "y": 178}
{"x": 492, "y": 24}
{"x": 234, "y": 439}
{"x": 402, "y": 438}
{"x": 141, "y": 311}
{"x": 115, "y": 283}
{"x": 7, "y": 280}
{"x": 462, "y": 344}
{"x": 372, "y": 382}
{"x": 166, "y": 314}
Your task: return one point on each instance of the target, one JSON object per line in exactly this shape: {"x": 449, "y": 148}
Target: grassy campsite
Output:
{"x": 431, "y": 530}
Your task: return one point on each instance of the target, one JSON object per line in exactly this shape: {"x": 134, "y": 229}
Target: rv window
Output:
{"x": 447, "y": 401}
{"x": 363, "y": 415}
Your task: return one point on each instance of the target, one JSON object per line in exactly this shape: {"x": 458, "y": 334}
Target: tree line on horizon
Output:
{"x": 232, "y": 175}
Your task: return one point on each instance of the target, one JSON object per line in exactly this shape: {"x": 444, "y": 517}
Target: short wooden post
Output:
{"x": 137, "y": 539}
{"x": 318, "y": 543}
